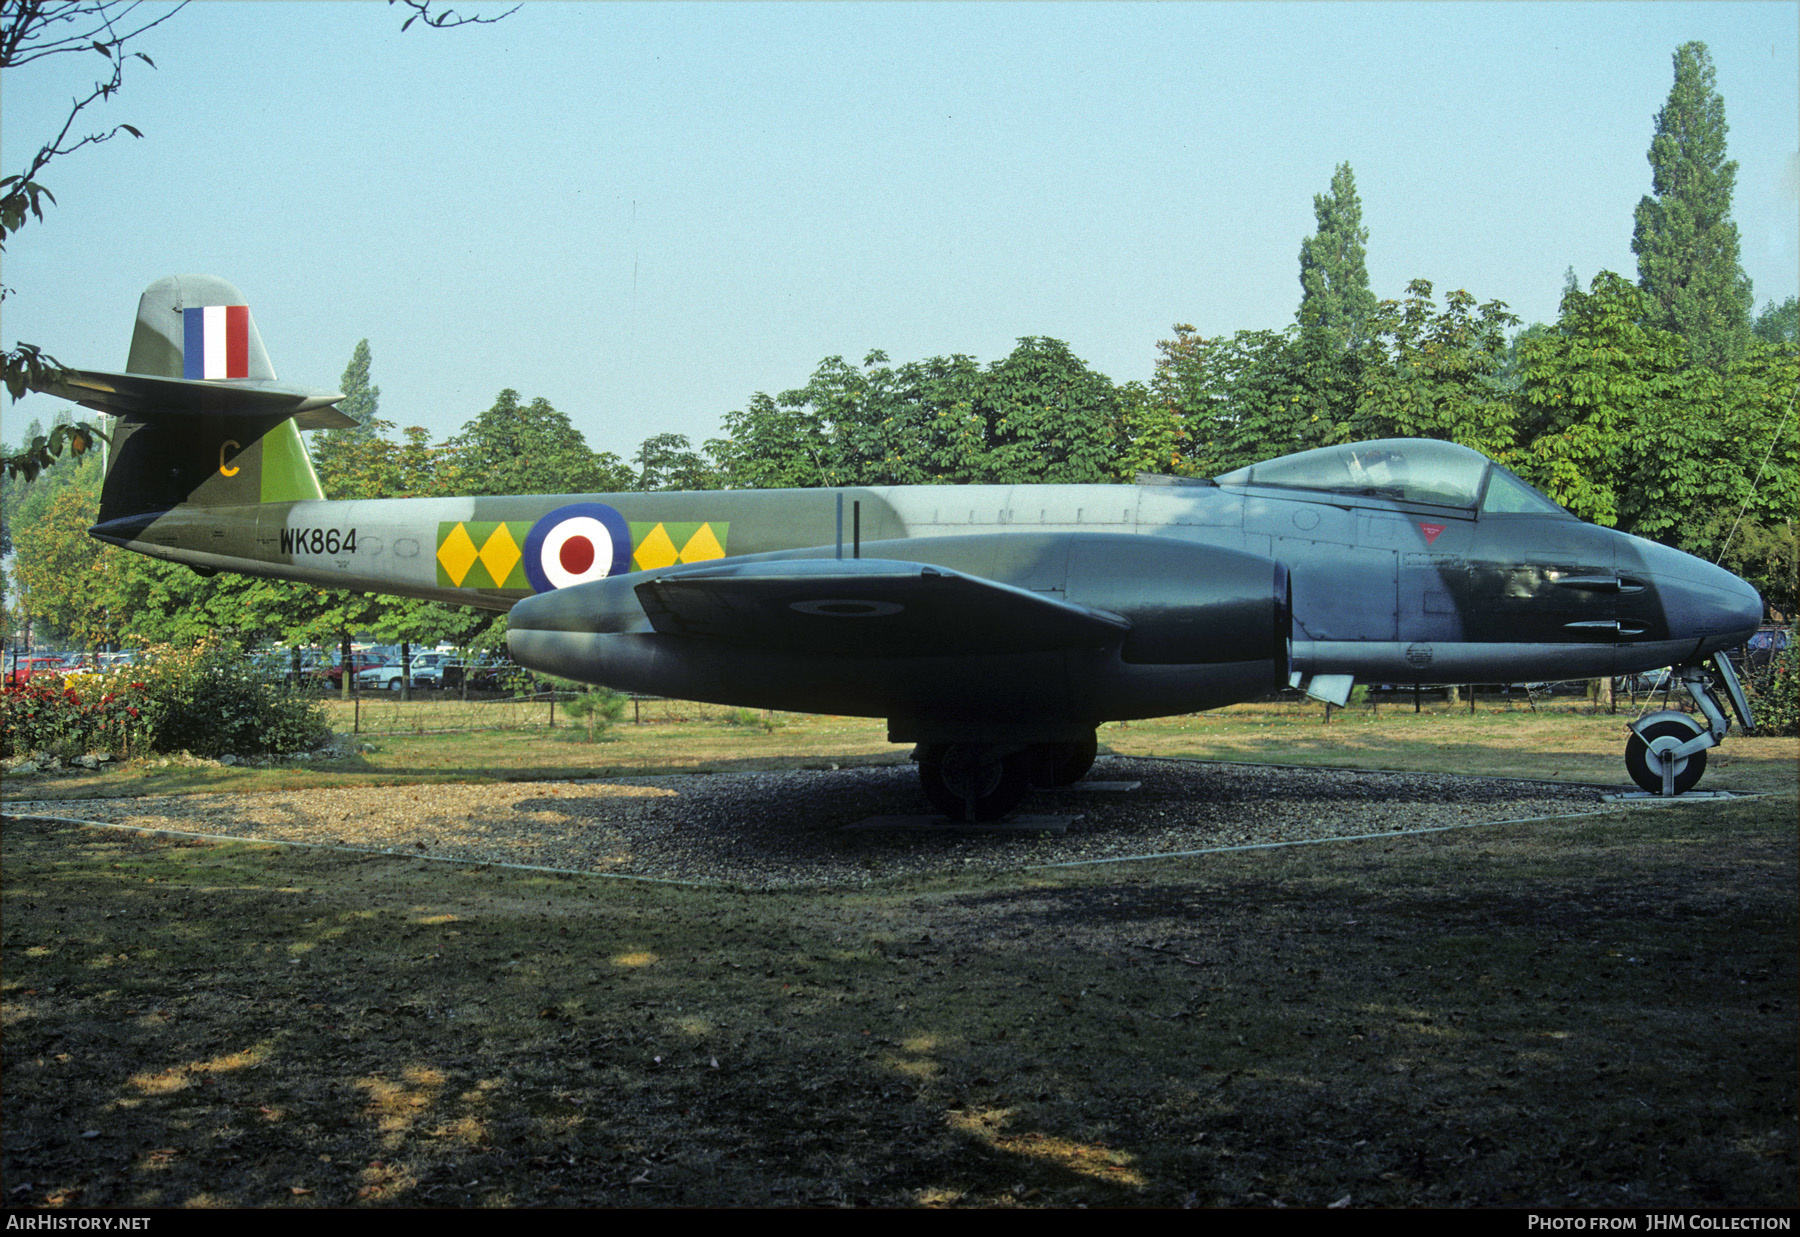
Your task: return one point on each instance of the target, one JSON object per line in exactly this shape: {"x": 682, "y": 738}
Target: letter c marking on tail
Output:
{"x": 235, "y": 468}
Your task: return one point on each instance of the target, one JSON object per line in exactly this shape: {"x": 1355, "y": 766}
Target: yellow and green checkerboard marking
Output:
{"x": 489, "y": 554}
{"x": 665, "y": 544}
{"x": 482, "y": 553}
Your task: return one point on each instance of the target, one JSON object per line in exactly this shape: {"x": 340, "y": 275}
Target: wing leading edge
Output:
{"x": 860, "y": 607}
{"x": 867, "y": 607}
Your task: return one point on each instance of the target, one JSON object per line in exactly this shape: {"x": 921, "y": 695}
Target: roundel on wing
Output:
{"x": 576, "y": 544}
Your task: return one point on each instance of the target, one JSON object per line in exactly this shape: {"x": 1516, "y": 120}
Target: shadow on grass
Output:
{"x": 1591, "y": 1016}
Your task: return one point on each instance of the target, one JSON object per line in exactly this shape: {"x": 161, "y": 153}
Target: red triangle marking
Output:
{"x": 1431, "y": 532}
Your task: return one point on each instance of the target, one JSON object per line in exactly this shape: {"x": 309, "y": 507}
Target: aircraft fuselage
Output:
{"x": 1381, "y": 590}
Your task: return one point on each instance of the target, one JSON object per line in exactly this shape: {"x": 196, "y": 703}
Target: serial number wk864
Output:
{"x": 318, "y": 541}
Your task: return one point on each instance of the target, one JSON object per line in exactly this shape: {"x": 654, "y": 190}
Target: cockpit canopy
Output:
{"x": 1410, "y": 470}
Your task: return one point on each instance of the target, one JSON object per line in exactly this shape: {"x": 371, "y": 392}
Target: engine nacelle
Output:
{"x": 1208, "y": 626}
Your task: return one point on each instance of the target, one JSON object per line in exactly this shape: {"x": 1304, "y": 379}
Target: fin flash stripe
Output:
{"x": 215, "y": 341}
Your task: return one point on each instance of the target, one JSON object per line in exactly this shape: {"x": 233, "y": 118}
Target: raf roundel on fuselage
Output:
{"x": 576, "y": 544}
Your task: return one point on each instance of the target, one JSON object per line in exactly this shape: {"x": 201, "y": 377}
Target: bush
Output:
{"x": 210, "y": 700}
{"x": 46, "y": 715}
{"x": 1774, "y": 693}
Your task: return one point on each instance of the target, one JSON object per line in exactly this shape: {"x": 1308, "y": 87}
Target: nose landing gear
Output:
{"x": 1666, "y": 753}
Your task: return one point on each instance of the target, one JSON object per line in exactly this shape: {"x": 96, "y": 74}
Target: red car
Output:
{"x": 22, "y": 669}
{"x": 359, "y": 662}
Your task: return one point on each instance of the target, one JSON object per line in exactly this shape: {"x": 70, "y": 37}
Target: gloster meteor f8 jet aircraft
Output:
{"x": 995, "y": 627}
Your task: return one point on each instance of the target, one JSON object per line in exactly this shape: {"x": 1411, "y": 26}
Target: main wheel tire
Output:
{"x": 1659, "y": 737}
{"x": 968, "y": 782}
{"x": 1063, "y": 764}
{"x": 395, "y": 685}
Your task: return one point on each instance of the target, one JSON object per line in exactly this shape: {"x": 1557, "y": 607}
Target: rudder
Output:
{"x": 202, "y": 420}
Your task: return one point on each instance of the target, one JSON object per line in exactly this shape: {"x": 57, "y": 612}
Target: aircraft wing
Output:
{"x": 147, "y": 395}
{"x": 868, "y": 607}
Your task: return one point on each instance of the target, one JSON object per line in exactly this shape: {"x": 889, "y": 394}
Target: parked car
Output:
{"x": 428, "y": 669}
{"x": 481, "y": 674}
{"x": 21, "y": 670}
{"x": 334, "y": 673}
{"x": 380, "y": 678}
{"x": 1762, "y": 649}
{"x": 1648, "y": 683}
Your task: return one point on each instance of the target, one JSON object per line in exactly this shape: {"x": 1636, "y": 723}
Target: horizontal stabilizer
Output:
{"x": 867, "y": 607}
{"x": 148, "y": 396}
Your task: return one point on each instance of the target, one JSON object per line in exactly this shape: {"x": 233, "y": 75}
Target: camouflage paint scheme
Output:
{"x": 993, "y": 616}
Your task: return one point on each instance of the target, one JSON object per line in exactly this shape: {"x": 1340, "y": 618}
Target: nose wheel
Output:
{"x": 1666, "y": 753}
{"x": 1651, "y": 759}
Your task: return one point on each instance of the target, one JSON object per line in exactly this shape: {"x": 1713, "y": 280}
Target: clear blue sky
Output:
{"x": 647, "y": 212}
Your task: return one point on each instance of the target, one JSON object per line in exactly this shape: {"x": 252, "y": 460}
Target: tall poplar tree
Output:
{"x": 1335, "y": 301}
{"x": 1686, "y": 243}
{"x": 361, "y": 397}
{"x": 333, "y": 450}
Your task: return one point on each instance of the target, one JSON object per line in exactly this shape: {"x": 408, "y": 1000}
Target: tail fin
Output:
{"x": 202, "y": 420}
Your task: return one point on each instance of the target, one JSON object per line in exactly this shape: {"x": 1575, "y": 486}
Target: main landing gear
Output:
{"x": 973, "y": 782}
{"x": 1666, "y": 753}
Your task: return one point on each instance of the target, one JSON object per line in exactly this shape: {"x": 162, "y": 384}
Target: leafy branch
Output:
{"x": 77, "y": 438}
{"x": 33, "y": 30}
{"x": 448, "y": 19}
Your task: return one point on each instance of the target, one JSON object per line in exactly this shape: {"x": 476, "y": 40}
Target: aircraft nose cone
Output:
{"x": 1749, "y": 611}
{"x": 1702, "y": 601}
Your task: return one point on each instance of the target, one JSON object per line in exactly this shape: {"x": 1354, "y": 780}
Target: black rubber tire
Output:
{"x": 963, "y": 782}
{"x": 1649, "y": 778}
{"x": 1063, "y": 764}
{"x": 395, "y": 685}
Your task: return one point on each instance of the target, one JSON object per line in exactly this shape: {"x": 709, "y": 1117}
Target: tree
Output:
{"x": 769, "y": 446}
{"x": 1049, "y": 417}
{"x": 669, "y": 462}
{"x": 363, "y": 462}
{"x": 919, "y": 423}
{"x": 351, "y": 451}
{"x": 1779, "y": 324}
{"x": 1254, "y": 395}
{"x": 1686, "y": 243}
{"x": 1154, "y": 438}
{"x": 54, "y": 568}
{"x": 448, "y": 19}
{"x": 1616, "y": 425}
{"x": 514, "y": 448}
{"x": 1586, "y": 387}
{"x": 1335, "y": 301}
{"x": 1428, "y": 374}
{"x": 362, "y": 398}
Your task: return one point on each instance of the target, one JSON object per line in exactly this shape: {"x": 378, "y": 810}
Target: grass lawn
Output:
{"x": 1566, "y": 742}
{"x": 1589, "y": 1012}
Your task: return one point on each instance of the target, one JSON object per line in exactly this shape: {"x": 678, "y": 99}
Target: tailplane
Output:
{"x": 202, "y": 420}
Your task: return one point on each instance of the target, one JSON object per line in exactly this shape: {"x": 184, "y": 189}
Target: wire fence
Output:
{"x": 432, "y": 712}
{"x": 429, "y": 712}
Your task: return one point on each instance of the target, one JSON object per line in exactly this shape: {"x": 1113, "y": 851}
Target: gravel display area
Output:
{"x": 786, "y": 829}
